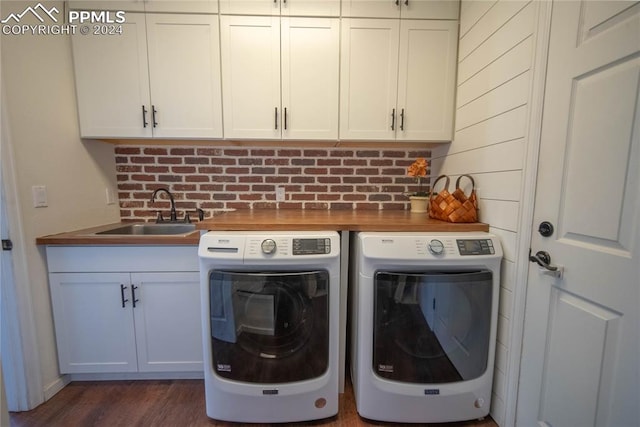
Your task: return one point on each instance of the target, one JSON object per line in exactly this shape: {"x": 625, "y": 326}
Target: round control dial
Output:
{"x": 268, "y": 246}
{"x": 436, "y": 247}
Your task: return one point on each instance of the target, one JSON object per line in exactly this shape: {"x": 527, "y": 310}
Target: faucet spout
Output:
{"x": 173, "y": 217}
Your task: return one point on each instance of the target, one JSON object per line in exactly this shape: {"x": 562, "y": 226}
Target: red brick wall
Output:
{"x": 247, "y": 177}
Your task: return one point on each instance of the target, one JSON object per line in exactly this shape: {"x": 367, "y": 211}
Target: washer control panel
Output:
{"x": 311, "y": 246}
{"x": 475, "y": 247}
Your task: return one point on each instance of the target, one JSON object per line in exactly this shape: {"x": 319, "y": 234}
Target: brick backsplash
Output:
{"x": 247, "y": 177}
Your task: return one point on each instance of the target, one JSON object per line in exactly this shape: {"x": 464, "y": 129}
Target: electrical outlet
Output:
{"x": 39, "y": 193}
{"x": 281, "y": 195}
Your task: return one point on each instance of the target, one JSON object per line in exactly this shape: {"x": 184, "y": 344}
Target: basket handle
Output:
{"x": 446, "y": 185}
{"x": 473, "y": 183}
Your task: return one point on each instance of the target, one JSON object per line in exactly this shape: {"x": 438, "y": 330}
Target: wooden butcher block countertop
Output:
{"x": 89, "y": 236}
{"x": 312, "y": 220}
{"x": 271, "y": 220}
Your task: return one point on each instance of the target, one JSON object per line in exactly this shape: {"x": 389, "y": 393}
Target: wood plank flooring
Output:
{"x": 161, "y": 403}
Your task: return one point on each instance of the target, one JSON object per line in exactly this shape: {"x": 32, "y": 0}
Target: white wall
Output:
{"x": 37, "y": 81}
{"x": 495, "y": 77}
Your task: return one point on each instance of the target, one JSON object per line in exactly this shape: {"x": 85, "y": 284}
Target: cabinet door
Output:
{"x": 310, "y": 76}
{"x": 250, "y": 48}
{"x": 413, "y": 9}
{"x": 429, "y": 9}
{"x": 167, "y": 321}
{"x": 184, "y": 72}
{"x": 426, "y": 80}
{"x": 112, "y": 82}
{"x": 371, "y": 8}
{"x": 185, "y": 6}
{"x": 310, "y": 7}
{"x": 126, "y": 5}
{"x": 284, "y": 7}
{"x": 94, "y": 332}
{"x": 250, "y": 7}
{"x": 368, "y": 78}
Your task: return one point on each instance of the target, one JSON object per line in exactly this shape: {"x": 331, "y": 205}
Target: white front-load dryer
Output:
{"x": 424, "y": 311}
{"x": 270, "y": 321}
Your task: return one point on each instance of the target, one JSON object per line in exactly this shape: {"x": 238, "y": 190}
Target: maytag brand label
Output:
{"x": 270, "y": 391}
{"x": 223, "y": 367}
{"x": 385, "y": 368}
{"x": 431, "y": 391}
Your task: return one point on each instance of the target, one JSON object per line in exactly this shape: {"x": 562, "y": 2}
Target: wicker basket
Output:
{"x": 456, "y": 206}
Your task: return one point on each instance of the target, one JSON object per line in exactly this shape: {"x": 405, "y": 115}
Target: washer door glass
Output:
{"x": 269, "y": 327}
{"x": 432, "y": 328}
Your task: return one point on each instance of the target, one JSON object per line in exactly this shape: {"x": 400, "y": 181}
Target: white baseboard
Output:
{"x": 54, "y": 387}
{"x": 138, "y": 376}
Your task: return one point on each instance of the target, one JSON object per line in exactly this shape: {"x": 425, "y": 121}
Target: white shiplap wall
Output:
{"x": 495, "y": 72}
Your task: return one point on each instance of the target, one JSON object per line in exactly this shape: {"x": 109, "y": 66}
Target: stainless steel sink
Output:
{"x": 150, "y": 229}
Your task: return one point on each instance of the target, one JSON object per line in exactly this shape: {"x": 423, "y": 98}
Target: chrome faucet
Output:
{"x": 173, "y": 217}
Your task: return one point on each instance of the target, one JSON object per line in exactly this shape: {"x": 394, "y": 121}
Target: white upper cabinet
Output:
{"x": 280, "y": 77}
{"x": 281, "y": 7}
{"x": 397, "y": 79}
{"x": 250, "y": 48}
{"x": 159, "y": 78}
{"x": 413, "y": 9}
{"x": 184, "y": 72}
{"x": 112, "y": 82}
{"x": 426, "y": 80}
{"x": 369, "y": 78}
{"x": 184, "y": 6}
{"x": 310, "y": 78}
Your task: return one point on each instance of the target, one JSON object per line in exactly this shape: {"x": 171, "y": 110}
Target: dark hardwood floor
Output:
{"x": 159, "y": 404}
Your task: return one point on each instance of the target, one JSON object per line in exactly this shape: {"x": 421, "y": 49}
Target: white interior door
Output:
{"x": 580, "y": 364}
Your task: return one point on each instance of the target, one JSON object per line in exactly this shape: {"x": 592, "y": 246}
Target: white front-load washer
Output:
{"x": 270, "y": 321}
{"x": 424, "y": 313}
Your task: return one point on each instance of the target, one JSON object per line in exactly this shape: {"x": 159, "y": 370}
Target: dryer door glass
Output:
{"x": 269, "y": 327}
{"x": 433, "y": 327}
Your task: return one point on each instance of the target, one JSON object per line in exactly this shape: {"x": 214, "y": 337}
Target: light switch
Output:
{"x": 111, "y": 198}
{"x": 39, "y": 196}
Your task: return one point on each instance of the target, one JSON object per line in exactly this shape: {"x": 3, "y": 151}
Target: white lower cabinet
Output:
{"x": 124, "y": 322}
{"x": 167, "y": 321}
{"x": 94, "y": 332}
